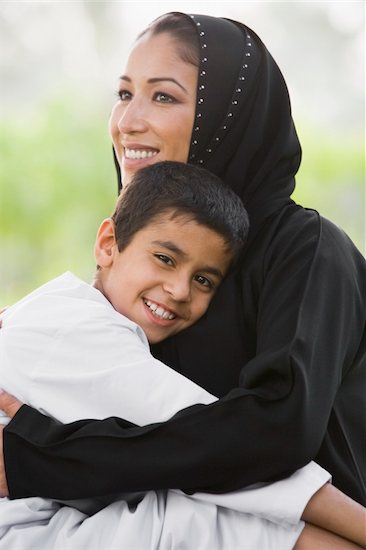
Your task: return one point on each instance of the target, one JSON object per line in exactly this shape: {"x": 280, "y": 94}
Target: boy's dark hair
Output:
{"x": 186, "y": 190}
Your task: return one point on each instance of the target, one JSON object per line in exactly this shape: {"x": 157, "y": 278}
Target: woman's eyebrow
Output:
{"x": 168, "y": 79}
{"x": 157, "y": 79}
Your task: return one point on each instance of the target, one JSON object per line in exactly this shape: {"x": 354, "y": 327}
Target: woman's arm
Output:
{"x": 274, "y": 423}
{"x": 329, "y": 509}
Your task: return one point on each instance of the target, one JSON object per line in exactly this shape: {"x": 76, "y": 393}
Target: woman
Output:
{"x": 283, "y": 344}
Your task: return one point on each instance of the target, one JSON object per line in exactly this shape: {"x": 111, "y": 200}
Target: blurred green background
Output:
{"x": 59, "y": 66}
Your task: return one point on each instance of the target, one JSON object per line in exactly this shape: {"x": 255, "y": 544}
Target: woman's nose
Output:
{"x": 133, "y": 118}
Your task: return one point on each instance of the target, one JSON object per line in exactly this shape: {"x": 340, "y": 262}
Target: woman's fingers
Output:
{"x": 2, "y": 311}
{"x": 9, "y": 404}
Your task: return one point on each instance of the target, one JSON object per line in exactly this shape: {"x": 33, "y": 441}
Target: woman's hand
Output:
{"x": 10, "y": 405}
{"x": 4, "y": 491}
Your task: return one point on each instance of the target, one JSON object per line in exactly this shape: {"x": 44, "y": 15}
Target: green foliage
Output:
{"x": 331, "y": 179}
{"x": 58, "y": 183}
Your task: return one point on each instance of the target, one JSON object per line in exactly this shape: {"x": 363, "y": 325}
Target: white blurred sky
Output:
{"x": 47, "y": 45}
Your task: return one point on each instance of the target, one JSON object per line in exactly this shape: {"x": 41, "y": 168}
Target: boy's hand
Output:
{"x": 10, "y": 405}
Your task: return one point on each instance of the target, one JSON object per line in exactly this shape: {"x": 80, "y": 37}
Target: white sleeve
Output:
{"x": 102, "y": 368}
{"x": 158, "y": 522}
{"x": 282, "y": 502}
{"x": 88, "y": 362}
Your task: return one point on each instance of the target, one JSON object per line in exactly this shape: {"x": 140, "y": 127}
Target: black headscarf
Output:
{"x": 243, "y": 130}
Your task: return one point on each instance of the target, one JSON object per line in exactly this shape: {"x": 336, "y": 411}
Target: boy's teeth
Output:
{"x": 139, "y": 153}
{"x": 159, "y": 311}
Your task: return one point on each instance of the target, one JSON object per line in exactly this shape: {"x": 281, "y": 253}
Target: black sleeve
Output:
{"x": 311, "y": 317}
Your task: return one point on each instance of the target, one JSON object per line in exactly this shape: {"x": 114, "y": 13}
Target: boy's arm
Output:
{"x": 334, "y": 511}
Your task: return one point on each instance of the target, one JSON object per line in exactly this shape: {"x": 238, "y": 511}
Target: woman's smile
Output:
{"x": 136, "y": 156}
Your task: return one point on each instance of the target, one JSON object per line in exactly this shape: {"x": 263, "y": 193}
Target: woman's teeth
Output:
{"x": 139, "y": 153}
{"x": 158, "y": 311}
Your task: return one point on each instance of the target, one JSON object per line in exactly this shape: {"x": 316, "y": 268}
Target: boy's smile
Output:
{"x": 166, "y": 276}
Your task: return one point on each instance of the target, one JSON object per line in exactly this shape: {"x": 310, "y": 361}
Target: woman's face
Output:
{"x": 153, "y": 118}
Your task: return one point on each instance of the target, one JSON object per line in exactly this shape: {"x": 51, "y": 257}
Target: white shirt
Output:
{"x": 66, "y": 351}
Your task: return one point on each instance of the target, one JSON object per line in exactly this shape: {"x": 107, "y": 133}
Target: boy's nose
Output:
{"x": 179, "y": 288}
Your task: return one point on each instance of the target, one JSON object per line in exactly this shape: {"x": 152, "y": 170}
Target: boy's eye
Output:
{"x": 124, "y": 95}
{"x": 165, "y": 259}
{"x": 204, "y": 282}
{"x": 162, "y": 97}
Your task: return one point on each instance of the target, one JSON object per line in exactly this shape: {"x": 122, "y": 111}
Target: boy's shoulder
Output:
{"x": 56, "y": 294}
{"x": 68, "y": 303}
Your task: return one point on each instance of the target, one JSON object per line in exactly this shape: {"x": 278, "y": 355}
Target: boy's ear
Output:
{"x": 105, "y": 243}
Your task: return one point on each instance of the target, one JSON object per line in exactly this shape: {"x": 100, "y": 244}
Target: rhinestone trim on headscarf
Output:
{"x": 234, "y": 105}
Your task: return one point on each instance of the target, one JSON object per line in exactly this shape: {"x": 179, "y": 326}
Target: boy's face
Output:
{"x": 165, "y": 278}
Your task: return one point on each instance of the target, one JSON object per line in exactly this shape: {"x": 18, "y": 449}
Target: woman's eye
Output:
{"x": 204, "y": 281}
{"x": 165, "y": 259}
{"x": 124, "y": 95}
{"x": 161, "y": 97}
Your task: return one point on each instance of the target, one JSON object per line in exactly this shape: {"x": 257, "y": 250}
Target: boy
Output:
{"x": 73, "y": 350}
{"x": 170, "y": 241}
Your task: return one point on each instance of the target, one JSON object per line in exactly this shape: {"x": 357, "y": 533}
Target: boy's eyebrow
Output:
{"x": 157, "y": 79}
{"x": 174, "y": 248}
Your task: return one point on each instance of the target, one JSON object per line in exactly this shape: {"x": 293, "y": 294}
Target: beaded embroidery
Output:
{"x": 200, "y": 100}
